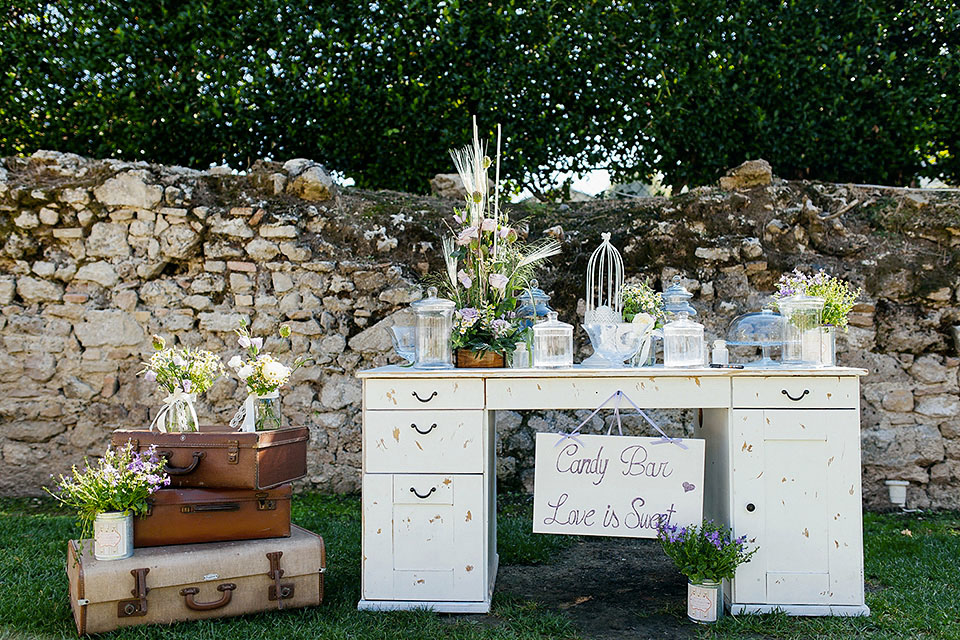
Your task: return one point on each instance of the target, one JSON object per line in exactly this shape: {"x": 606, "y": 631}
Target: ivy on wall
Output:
{"x": 828, "y": 89}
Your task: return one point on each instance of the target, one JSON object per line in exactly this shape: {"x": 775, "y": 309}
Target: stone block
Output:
{"x": 108, "y": 240}
{"x": 312, "y": 184}
{"x": 198, "y": 302}
{"x": 248, "y": 267}
{"x": 179, "y": 242}
{"x": 49, "y": 216}
{"x": 900, "y": 400}
{"x": 68, "y": 233}
{"x": 340, "y": 391}
{"x": 240, "y": 283}
{"x": 8, "y": 288}
{"x": 752, "y": 173}
{"x": 207, "y": 283}
{"x": 33, "y": 290}
{"x": 278, "y": 231}
{"x": 101, "y": 273}
{"x": 128, "y": 190}
{"x": 109, "y": 328}
{"x": 295, "y": 252}
{"x": 231, "y": 227}
{"x": 262, "y": 250}
{"x": 27, "y": 220}
{"x": 938, "y": 406}
{"x": 222, "y": 322}
{"x": 282, "y": 282}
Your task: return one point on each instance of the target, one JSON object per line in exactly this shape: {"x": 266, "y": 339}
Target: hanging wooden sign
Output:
{"x": 603, "y": 485}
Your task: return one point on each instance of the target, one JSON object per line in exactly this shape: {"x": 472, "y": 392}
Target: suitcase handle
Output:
{"x": 188, "y": 596}
{"x": 214, "y": 506}
{"x": 182, "y": 471}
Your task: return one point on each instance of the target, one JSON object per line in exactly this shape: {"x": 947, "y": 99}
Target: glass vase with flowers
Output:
{"x": 184, "y": 374}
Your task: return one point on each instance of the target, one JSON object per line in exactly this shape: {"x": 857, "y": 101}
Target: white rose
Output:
{"x": 643, "y": 318}
{"x": 245, "y": 372}
{"x": 274, "y": 372}
{"x": 235, "y": 362}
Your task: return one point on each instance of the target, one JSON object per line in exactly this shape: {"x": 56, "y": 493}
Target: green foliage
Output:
{"x": 839, "y": 296}
{"x": 834, "y": 90}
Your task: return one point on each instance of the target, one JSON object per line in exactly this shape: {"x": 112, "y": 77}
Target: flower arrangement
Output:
{"x": 486, "y": 264}
{"x": 707, "y": 553}
{"x": 120, "y": 481}
{"x": 264, "y": 375}
{"x": 839, "y": 296}
{"x": 184, "y": 373}
{"x": 641, "y": 300}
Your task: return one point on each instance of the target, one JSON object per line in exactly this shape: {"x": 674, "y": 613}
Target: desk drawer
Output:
{"x": 795, "y": 392}
{"x": 423, "y": 441}
{"x": 424, "y": 393}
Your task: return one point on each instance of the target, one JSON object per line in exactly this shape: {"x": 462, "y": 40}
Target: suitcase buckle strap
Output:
{"x": 278, "y": 591}
{"x": 137, "y": 606}
{"x": 233, "y": 451}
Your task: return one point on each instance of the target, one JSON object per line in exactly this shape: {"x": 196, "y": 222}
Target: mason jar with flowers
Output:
{"x": 487, "y": 267}
{"x": 643, "y": 305}
{"x": 264, "y": 375}
{"x": 706, "y": 555}
{"x": 107, "y": 493}
{"x": 184, "y": 374}
{"x": 817, "y": 342}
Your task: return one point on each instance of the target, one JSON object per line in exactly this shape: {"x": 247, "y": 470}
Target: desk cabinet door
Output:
{"x": 796, "y": 479}
{"x": 423, "y": 537}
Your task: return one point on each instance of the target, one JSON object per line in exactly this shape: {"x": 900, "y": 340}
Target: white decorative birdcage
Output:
{"x": 604, "y": 285}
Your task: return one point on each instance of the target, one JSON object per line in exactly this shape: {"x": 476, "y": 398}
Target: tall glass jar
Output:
{"x": 552, "y": 343}
{"x": 801, "y": 330}
{"x": 683, "y": 344}
{"x": 434, "y": 329}
{"x": 268, "y": 412}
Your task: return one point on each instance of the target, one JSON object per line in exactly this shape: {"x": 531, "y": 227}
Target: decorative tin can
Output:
{"x": 704, "y": 602}
{"x": 113, "y": 535}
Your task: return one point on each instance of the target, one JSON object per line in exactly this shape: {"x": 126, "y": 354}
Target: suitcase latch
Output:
{"x": 233, "y": 451}
{"x": 265, "y": 504}
{"x": 278, "y": 591}
{"x": 137, "y": 606}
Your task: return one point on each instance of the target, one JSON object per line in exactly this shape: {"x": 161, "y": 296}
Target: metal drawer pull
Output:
{"x": 181, "y": 471}
{"x": 414, "y": 492}
{"x": 751, "y": 507}
{"x": 429, "y": 398}
{"x": 787, "y": 393}
{"x": 190, "y": 592}
{"x": 423, "y": 433}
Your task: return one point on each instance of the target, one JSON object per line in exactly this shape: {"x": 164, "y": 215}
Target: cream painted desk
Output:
{"x": 782, "y": 466}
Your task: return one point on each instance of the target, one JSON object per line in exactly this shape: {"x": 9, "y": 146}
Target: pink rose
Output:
{"x": 467, "y": 235}
{"x": 464, "y": 279}
{"x": 489, "y": 224}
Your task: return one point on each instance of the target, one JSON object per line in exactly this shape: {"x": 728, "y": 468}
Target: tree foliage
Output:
{"x": 830, "y": 89}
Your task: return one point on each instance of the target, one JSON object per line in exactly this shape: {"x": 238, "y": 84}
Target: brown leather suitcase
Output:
{"x": 226, "y": 459}
{"x": 187, "y": 516}
{"x": 191, "y": 582}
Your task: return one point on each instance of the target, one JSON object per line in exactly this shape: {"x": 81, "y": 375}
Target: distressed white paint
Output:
{"x": 615, "y": 485}
{"x": 796, "y": 461}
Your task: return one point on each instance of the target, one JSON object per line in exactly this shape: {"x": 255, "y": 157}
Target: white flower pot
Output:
{"x": 113, "y": 535}
{"x": 704, "y": 602}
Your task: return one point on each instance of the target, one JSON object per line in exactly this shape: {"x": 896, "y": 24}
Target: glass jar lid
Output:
{"x": 756, "y": 329}
{"x": 676, "y": 299}
{"x": 552, "y": 325}
{"x": 433, "y": 303}
{"x": 683, "y": 324}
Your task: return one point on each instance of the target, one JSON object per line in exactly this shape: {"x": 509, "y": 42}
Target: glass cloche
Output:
{"x": 763, "y": 329}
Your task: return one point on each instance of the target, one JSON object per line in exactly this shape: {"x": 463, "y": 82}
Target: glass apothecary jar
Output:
{"x": 552, "y": 343}
{"x": 801, "y": 330}
{"x": 534, "y": 304}
{"x": 676, "y": 299}
{"x": 434, "y": 329}
{"x": 683, "y": 344}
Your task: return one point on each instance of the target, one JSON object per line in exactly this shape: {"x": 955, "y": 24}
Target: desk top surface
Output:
{"x": 397, "y": 371}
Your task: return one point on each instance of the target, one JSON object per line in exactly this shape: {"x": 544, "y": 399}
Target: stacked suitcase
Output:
{"x": 217, "y": 542}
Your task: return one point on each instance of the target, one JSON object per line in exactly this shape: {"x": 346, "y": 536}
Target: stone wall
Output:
{"x": 98, "y": 255}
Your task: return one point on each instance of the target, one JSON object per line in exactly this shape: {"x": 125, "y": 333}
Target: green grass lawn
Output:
{"x": 912, "y": 581}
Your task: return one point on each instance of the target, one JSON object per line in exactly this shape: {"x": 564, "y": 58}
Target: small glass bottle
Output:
{"x": 520, "y": 358}
{"x": 721, "y": 355}
{"x": 552, "y": 343}
{"x": 434, "y": 330}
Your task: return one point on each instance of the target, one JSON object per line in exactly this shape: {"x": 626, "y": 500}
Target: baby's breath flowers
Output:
{"x": 189, "y": 370}
{"x": 264, "y": 375}
{"x": 640, "y": 299}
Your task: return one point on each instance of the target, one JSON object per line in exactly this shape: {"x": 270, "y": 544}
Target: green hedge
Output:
{"x": 830, "y": 89}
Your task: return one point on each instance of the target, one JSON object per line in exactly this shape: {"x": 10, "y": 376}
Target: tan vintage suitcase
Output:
{"x": 187, "y": 516}
{"x": 161, "y": 585}
{"x": 222, "y": 458}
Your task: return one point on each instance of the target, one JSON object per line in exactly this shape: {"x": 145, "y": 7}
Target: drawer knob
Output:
{"x": 797, "y": 399}
{"x": 423, "y": 433}
{"x": 422, "y": 497}
{"x": 428, "y": 398}
{"x": 751, "y": 507}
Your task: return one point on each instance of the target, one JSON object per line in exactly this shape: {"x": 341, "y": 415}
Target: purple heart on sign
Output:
{"x": 687, "y": 487}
